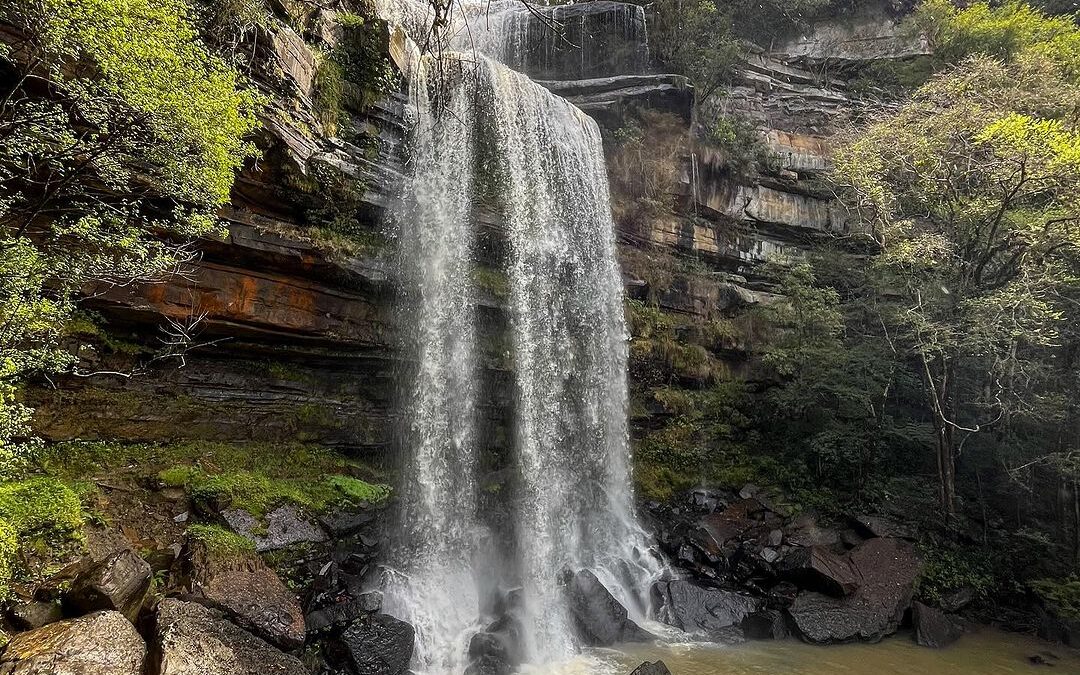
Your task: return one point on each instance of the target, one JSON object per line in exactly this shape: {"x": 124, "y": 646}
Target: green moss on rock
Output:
{"x": 220, "y": 541}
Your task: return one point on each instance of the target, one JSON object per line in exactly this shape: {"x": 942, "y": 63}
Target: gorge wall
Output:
{"x": 292, "y": 320}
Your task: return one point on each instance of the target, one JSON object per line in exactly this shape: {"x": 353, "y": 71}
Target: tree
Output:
{"x": 972, "y": 191}
{"x": 120, "y": 134}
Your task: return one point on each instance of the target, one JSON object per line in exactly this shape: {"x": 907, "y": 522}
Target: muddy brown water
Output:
{"x": 986, "y": 652}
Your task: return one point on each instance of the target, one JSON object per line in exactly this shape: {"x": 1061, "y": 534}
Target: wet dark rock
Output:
{"x": 776, "y": 537}
{"x": 34, "y": 614}
{"x": 284, "y": 526}
{"x": 887, "y": 569}
{"x": 767, "y": 624}
{"x": 818, "y": 569}
{"x": 934, "y": 628}
{"x": 732, "y": 522}
{"x": 249, "y": 592}
{"x": 706, "y": 500}
{"x": 377, "y": 645}
{"x": 699, "y": 610}
{"x": 102, "y": 643}
{"x": 191, "y": 638}
{"x": 497, "y": 649}
{"x": 651, "y": 668}
{"x": 880, "y": 526}
{"x": 338, "y": 615}
{"x": 850, "y": 538}
{"x": 600, "y": 619}
{"x": 344, "y": 522}
{"x": 119, "y": 583}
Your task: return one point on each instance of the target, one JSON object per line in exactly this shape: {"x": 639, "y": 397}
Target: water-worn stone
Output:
{"x": 816, "y": 568}
{"x": 34, "y": 614}
{"x": 284, "y": 526}
{"x": 119, "y": 583}
{"x": 102, "y": 643}
{"x": 887, "y": 569}
{"x": 377, "y": 645}
{"x": 651, "y": 668}
{"x": 934, "y": 628}
{"x": 702, "y": 611}
{"x": 194, "y": 640}
{"x": 600, "y": 619}
{"x": 248, "y": 591}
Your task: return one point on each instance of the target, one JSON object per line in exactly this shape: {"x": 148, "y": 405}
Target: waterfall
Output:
{"x": 482, "y": 128}
{"x": 436, "y": 591}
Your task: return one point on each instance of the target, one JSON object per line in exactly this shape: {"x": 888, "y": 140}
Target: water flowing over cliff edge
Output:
{"x": 484, "y": 132}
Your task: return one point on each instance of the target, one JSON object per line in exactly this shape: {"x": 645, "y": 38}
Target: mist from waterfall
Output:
{"x": 481, "y": 127}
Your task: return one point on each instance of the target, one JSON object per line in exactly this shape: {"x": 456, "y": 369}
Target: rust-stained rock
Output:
{"x": 103, "y": 643}
{"x": 887, "y": 569}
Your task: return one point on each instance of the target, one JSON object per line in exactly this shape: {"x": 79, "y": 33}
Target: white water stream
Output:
{"x": 483, "y": 127}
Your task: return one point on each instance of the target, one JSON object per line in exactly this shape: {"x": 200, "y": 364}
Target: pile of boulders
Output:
{"x": 205, "y": 610}
{"x": 750, "y": 567}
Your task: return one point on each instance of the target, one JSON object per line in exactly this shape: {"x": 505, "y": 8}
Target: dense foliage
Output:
{"x": 120, "y": 134}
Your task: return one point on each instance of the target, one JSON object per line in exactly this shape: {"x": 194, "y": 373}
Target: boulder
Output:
{"x": 601, "y": 621}
{"x": 818, "y": 569}
{"x": 338, "y": 615}
{"x": 249, "y": 592}
{"x": 733, "y": 521}
{"x": 934, "y": 628}
{"x": 284, "y": 526}
{"x": 703, "y": 611}
{"x": 191, "y": 639}
{"x": 651, "y": 668}
{"x": 34, "y": 614}
{"x": 118, "y": 583}
{"x": 377, "y": 645}
{"x": 497, "y": 649}
{"x": 887, "y": 569}
{"x": 102, "y": 643}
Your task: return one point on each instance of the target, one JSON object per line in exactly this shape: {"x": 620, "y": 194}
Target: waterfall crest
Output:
{"x": 483, "y": 128}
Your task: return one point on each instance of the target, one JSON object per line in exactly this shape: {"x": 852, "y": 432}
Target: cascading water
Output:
{"x": 539, "y": 162}
{"x": 433, "y": 586}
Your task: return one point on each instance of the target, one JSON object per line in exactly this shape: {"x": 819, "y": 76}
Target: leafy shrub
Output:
{"x": 947, "y": 569}
{"x": 1060, "y": 595}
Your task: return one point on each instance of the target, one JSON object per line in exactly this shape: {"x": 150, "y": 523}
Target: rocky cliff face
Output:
{"x": 292, "y": 321}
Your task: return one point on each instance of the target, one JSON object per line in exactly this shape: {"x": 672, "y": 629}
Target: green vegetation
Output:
{"x": 128, "y": 127}
{"x": 36, "y": 508}
{"x": 1062, "y": 596}
{"x": 258, "y": 493}
{"x": 970, "y": 192}
{"x": 219, "y": 541}
{"x": 358, "y": 71}
{"x": 745, "y": 150}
